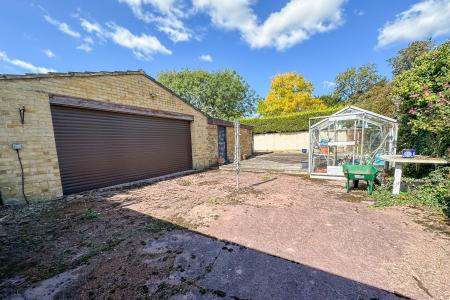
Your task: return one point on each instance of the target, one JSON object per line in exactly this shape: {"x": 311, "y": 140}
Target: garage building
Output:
{"x": 80, "y": 131}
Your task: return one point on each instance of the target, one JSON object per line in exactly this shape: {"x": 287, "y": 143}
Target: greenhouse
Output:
{"x": 351, "y": 135}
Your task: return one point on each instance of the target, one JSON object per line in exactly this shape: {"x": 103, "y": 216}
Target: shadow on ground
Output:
{"x": 86, "y": 248}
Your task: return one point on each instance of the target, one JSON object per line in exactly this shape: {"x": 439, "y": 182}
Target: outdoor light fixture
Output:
{"x": 22, "y": 114}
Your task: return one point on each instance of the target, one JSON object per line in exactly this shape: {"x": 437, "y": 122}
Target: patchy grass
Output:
{"x": 432, "y": 192}
{"x": 213, "y": 200}
{"x": 90, "y": 214}
{"x": 209, "y": 183}
{"x": 266, "y": 177}
{"x": 383, "y": 198}
{"x": 46, "y": 239}
{"x": 184, "y": 182}
{"x": 180, "y": 221}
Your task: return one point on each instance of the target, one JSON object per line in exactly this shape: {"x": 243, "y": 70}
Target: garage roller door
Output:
{"x": 101, "y": 148}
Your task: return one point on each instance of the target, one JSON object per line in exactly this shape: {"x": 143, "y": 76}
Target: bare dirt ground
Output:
{"x": 194, "y": 237}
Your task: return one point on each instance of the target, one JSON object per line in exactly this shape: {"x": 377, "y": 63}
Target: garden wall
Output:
{"x": 292, "y": 141}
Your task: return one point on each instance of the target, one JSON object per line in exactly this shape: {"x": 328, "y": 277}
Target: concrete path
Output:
{"x": 279, "y": 162}
{"x": 206, "y": 268}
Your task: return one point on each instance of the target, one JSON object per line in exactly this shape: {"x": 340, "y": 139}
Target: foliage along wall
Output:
{"x": 287, "y": 123}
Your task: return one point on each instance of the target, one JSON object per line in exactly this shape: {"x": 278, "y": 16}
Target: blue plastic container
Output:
{"x": 408, "y": 153}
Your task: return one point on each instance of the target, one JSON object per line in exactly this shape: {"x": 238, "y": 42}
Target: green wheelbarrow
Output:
{"x": 360, "y": 172}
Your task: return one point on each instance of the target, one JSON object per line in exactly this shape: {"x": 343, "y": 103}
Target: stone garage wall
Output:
{"x": 246, "y": 141}
{"x": 42, "y": 177}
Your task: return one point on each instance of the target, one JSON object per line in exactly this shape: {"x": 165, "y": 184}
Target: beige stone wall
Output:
{"x": 213, "y": 143}
{"x": 291, "y": 141}
{"x": 246, "y": 141}
{"x": 42, "y": 178}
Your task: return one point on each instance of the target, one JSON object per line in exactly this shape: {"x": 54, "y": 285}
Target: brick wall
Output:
{"x": 42, "y": 178}
{"x": 246, "y": 141}
{"x": 213, "y": 143}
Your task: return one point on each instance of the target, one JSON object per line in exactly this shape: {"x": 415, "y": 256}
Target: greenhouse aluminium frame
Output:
{"x": 351, "y": 135}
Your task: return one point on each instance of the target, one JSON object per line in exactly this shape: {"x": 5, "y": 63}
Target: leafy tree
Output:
{"x": 355, "y": 81}
{"x": 289, "y": 92}
{"x": 330, "y": 100}
{"x": 379, "y": 99}
{"x": 221, "y": 94}
{"x": 407, "y": 56}
{"x": 424, "y": 110}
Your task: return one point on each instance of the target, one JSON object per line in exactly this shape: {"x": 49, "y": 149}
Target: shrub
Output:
{"x": 287, "y": 123}
{"x": 424, "y": 108}
{"x": 432, "y": 191}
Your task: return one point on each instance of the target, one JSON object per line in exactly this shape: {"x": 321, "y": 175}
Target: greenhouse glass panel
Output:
{"x": 351, "y": 135}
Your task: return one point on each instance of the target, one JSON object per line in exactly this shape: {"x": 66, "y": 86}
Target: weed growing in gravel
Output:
{"x": 213, "y": 200}
{"x": 266, "y": 177}
{"x": 90, "y": 214}
{"x": 184, "y": 182}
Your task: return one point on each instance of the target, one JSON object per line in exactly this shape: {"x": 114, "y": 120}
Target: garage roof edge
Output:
{"x": 220, "y": 122}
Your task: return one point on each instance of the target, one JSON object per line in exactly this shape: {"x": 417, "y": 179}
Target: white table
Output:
{"x": 398, "y": 161}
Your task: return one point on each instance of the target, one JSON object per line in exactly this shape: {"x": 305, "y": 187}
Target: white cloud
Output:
{"x": 168, "y": 16}
{"x": 88, "y": 40}
{"x": 63, "y": 27}
{"x": 359, "y": 13}
{"x": 429, "y": 18}
{"x": 49, "y": 53}
{"x": 23, "y": 64}
{"x": 297, "y": 21}
{"x": 92, "y": 27}
{"x": 206, "y": 57}
{"x": 329, "y": 84}
{"x": 84, "y": 47}
{"x": 143, "y": 46}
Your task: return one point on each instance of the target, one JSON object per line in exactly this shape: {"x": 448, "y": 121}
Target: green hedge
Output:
{"x": 287, "y": 123}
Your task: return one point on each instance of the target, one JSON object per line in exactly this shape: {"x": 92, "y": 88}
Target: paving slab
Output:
{"x": 280, "y": 162}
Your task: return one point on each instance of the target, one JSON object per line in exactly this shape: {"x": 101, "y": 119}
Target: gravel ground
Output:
{"x": 195, "y": 237}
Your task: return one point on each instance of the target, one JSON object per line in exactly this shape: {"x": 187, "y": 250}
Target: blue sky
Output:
{"x": 317, "y": 38}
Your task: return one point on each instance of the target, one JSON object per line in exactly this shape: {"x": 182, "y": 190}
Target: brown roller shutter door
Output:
{"x": 99, "y": 148}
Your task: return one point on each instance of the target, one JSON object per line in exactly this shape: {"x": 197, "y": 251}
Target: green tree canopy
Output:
{"x": 379, "y": 99}
{"x": 406, "y": 57}
{"x": 424, "y": 108}
{"x": 221, "y": 94}
{"x": 329, "y": 100}
{"x": 289, "y": 93}
{"x": 355, "y": 81}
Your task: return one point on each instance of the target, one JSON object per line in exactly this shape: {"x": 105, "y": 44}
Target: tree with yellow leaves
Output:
{"x": 289, "y": 93}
